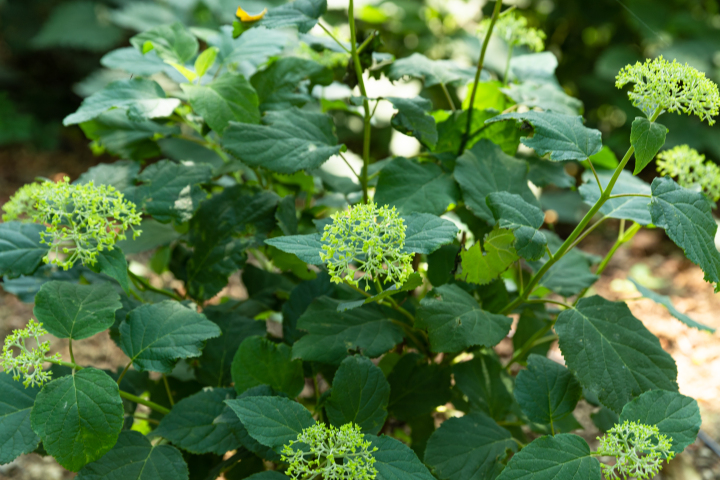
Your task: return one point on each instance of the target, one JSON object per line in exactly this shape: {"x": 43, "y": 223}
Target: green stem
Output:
{"x": 597, "y": 179}
{"x": 447, "y": 96}
{"x": 144, "y": 284}
{"x": 72, "y": 357}
{"x": 620, "y": 195}
{"x": 529, "y": 344}
{"x": 481, "y": 61}
{"x": 333, "y": 37}
{"x": 507, "y": 65}
{"x": 366, "y": 104}
{"x": 122, "y": 374}
{"x": 547, "y": 300}
{"x": 366, "y": 42}
{"x": 169, "y": 392}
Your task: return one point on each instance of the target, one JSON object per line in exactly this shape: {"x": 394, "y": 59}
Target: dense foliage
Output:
{"x": 376, "y": 287}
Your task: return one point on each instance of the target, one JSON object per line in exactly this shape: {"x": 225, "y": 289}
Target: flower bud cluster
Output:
{"x": 81, "y": 220}
{"x": 29, "y": 362}
{"x": 513, "y": 30}
{"x": 638, "y": 448}
{"x": 330, "y": 453}
{"x": 691, "y": 170}
{"x": 372, "y": 238}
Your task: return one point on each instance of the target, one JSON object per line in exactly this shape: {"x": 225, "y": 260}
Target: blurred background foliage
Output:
{"x": 51, "y": 51}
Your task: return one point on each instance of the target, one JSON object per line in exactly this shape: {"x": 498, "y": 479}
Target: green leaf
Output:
{"x": 546, "y": 391}
{"x": 524, "y": 219}
{"x": 468, "y": 448}
{"x": 303, "y": 14}
{"x": 455, "y": 321}
{"x": 417, "y": 387}
{"x": 612, "y": 353}
{"x": 259, "y": 361}
{"x": 272, "y": 421}
{"x": 172, "y": 43}
{"x": 685, "y": 216}
{"x": 485, "y": 169}
{"x": 155, "y": 336}
{"x": 359, "y": 394}
{"x": 134, "y": 458}
{"x": 142, "y": 98}
{"x": 286, "y": 215}
{"x": 205, "y": 61}
{"x": 289, "y": 141}
{"x": 306, "y": 247}
{"x": 278, "y": 85}
{"x": 647, "y": 138}
{"x": 74, "y": 311}
{"x": 20, "y": 249}
{"x": 16, "y": 435}
{"x": 202, "y": 423}
{"x": 396, "y": 461}
{"x": 432, "y": 72}
{"x": 251, "y": 49}
{"x": 564, "y": 137}
{"x": 544, "y": 172}
{"x": 414, "y": 281}
{"x": 332, "y": 334}
{"x": 562, "y": 457}
{"x": 482, "y": 267}
{"x": 675, "y": 415}
{"x": 78, "y": 417}
{"x": 484, "y": 382}
{"x": 425, "y": 233}
{"x": 413, "y": 118}
{"x": 488, "y": 96}
{"x": 571, "y": 274}
{"x": 666, "y": 302}
{"x": 300, "y": 299}
{"x": 543, "y": 95}
{"x": 133, "y": 61}
{"x": 113, "y": 264}
{"x": 452, "y": 125}
{"x": 412, "y": 187}
{"x": 120, "y": 174}
{"x": 76, "y": 25}
{"x": 628, "y": 208}
{"x": 230, "y": 98}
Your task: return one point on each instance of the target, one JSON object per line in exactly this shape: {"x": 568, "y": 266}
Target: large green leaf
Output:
{"x": 300, "y": 299}
{"x": 564, "y": 137}
{"x": 413, "y": 118}
{"x": 648, "y": 138}
{"x": 411, "y": 187}
{"x": 272, "y": 421}
{"x": 432, "y": 72}
{"x": 484, "y": 382}
{"x": 230, "y": 98}
{"x": 289, "y": 141}
{"x": 546, "y": 391}
{"x": 20, "y": 249}
{"x": 544, "y": 95}
{"x": 134, "y": 458}
{"x": 259, "y": 361}
{"x": 69, "y": 310}
{"x": 685, "y": 216}
{"x": 16, "y": 435}
{"x": 396, "y": 461}
{"x": 455, "y": 321}
{"x": 562, "y": 457}
{"x": 172, "y": 43}
{"x": 155, "y": 336}
{"x": 485, "y": 169}
{"x": 675, "y": 415}
{"x": 133, "y": 61}
{"x": 251, "y": 49}
{"x": 666, "y": 302}
{"x": 202, "y": 423}
{"x": 483, "y": 264}
{"x": 142, "y": 98}
{"x": 78, "y": 417}
{"x": 628, "y": 208}
{"x": 303, "y": 14}
{"x": 612, "y": 353}
{"x": 332, "y": 334}
{"x": 306, "y": 247}
{"x": 425, "y": 233}
{"x": 278, "y": 86}
{"x": 360, "y": 394}
{"x": 417, "y": 387}
{"x": 468, "y": 448}
{"x": 524, "y": 219}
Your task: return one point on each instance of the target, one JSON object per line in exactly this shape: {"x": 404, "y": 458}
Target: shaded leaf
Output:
{"x": 413, "y": 118}
{"x": 524, "y": 219}
{"x": 666, "y": 302}
{"x": 20, "y": 249}
{"x": 425, "y": 233}
{"x": 303, "y": 14}
{"x": 259, "y": 361}
{"x": 16, "y": 435}
{"x": 278, "y": 85}
{"x": 432, "y": 72}
{"x": 114, "y": 264}
{"x": 483, "y": 381}
{"x": 647, "y": 138}
{"x": 417, "y": 387}
{"x": 172, "y": 43}
{"x": 543, "y": 95}
{"x": 396, "y": 461}
{"x": 230, "y": 98}
{"x": 306, "y": 247}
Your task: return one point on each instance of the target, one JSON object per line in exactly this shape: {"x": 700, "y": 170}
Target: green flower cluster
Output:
{"x": 373, "y": 238}
{"x": 81, "y": 220}
{"x": 330, "y": 453}
{"x": 29, "y": 362}
{"x": 513, "y": 30}
{"x": 639, "y": 450}
{"x": 670, "y": 86}
{"x": 691, "y": 170}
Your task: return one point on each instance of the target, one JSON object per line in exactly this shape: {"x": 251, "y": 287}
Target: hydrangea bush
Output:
{"x": 334, "y": 314}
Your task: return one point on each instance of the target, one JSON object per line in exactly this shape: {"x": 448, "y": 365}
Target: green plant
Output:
{"x": 449, "y": 243}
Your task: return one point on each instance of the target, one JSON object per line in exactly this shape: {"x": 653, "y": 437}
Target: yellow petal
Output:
{"x": 246, "y": 17}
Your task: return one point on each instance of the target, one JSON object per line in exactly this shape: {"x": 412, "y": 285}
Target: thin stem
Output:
{"x": 520, "y": 277}
{"x": 72, "y": 365}
{"x": 552, "y": 427}
{"x": 144, "y": 284}
{"x": 507, "y": 65}
{"x": 333, "y": 37}
{"x": 167, "y": 389}
{"x": 481, "y": 61}
{"x": 366, "y": 42}
{"x": 587, "y": 232}
{"x": 349, "y": 166}
{"x": 447, "y": 96}
{"x": 122, "y": 374}
{"x": 529, "y": 344}
{"x": 620, "y": 195}
{"x": 142, "y": 401}
{"x": 72, "y": 357}
{"x": 597, "y": 179}
{"x": 366, "y": 104}
{"x": 547, "y": 300}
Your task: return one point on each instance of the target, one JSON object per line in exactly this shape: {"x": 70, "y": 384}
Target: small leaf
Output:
{"x": 279, "y": 85}
{"x": 482, "y": 267}
{"x": 259, "y": 361}
{"x": 546, "y": 391}
{"x": 524, "y": 219}
{"x": 155, "y": 336}
{"x": 20, "y": 249}
{"x": 564, "y": 137}
{"x": 172, "y": 43}
{"x": 306, "y": 247}
{"x": 417, "y": 387}
{"x": 134, "y": 458}
{"x": 114, "y": 264}
{"x": 360, "y": 394}
{"x": 205, "y": 60}
{"x": 74, "y": 311}
{"x": 425, "y": 233}
{"x": 16, "y": 435}
{"x": 666, "y": 302}
{"x": 628, "y": 208}
{"x": 647, "y": 138}
{"x": 483, "y": 381}
{"x": 455, "y": 321}
{"x": 78, "y": 417}
{"x": 303, "y": 14}
{"x": 675, "y": 415}
{"x": 432, "y": 72}
{"x": 230, "y": 98}
{"x": 612, "y": 353}
{"x": 413, "y": 118}
{"x": 396, "y": 461}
